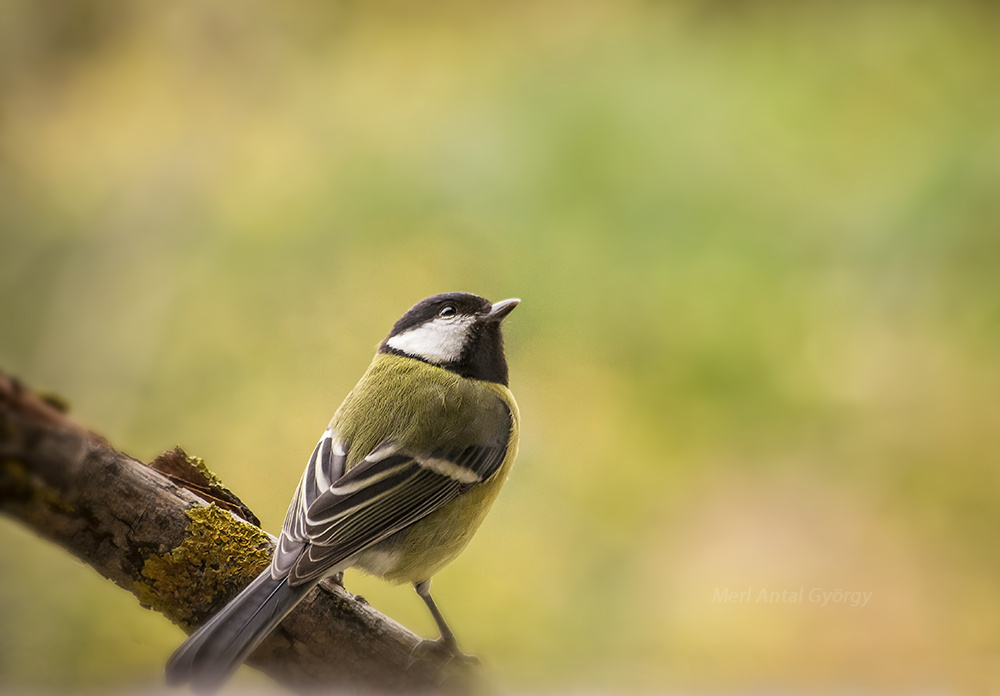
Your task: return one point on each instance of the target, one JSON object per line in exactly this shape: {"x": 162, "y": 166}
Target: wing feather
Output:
{"x": 326, "y": 464}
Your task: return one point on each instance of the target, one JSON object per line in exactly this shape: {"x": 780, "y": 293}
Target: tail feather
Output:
{"x": 213, "y": 652}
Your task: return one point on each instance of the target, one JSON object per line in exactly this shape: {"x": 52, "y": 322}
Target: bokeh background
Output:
{"x": 758, "y": 246}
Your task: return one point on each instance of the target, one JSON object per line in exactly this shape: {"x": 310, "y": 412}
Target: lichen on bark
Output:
{"x": 199, "y": 464}
{"x": 221, "y": 555}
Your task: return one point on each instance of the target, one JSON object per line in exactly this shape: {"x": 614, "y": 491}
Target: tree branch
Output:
{"x": 186, "y": 557}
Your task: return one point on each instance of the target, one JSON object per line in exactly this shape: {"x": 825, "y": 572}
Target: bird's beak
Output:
{"x": 501, "y": 309}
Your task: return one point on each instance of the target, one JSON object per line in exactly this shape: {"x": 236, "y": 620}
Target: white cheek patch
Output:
{"x": 439, "y": 341}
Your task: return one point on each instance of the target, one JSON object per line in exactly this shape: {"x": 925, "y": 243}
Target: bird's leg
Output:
{"x": 445, "y": 649}
{"x": 446, "y": 643}
{"x": 423, "y": 589}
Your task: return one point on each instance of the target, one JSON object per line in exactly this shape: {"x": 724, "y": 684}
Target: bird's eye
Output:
{"x": 447, "y": 311}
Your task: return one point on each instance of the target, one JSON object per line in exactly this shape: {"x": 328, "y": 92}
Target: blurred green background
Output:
{"x": 758, "y": 246}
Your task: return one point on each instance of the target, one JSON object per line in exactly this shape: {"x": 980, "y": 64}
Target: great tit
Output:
{"x": 400, "y": 480}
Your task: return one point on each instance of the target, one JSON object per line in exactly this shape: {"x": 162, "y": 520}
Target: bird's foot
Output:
{"x": 338, "y": 581}
{"x": 440, "y": 649}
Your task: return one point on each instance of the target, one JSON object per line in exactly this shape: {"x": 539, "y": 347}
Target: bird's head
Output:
{"x": 457, "y": 331}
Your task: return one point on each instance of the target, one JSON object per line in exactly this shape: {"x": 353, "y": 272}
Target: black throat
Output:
{"x": 483, "y": 356}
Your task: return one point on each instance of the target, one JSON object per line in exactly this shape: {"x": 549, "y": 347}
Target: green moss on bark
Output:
{"x": 18, "y": 485}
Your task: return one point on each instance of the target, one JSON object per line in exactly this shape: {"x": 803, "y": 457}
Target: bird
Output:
{"x": 397, "y": 485}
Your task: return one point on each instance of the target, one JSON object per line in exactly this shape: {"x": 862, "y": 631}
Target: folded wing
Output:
{"x": 333, "y": 517}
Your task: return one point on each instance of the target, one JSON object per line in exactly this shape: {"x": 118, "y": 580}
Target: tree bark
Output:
{"x": 175, "y": 541}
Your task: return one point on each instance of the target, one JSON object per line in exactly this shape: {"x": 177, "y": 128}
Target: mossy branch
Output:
{"x": 153, "y": 532}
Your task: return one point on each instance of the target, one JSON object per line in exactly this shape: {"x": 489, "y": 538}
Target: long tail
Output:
{"x": 213, "y": 652}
